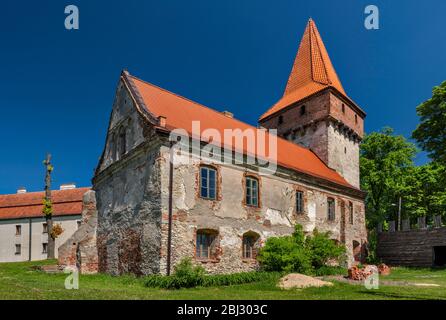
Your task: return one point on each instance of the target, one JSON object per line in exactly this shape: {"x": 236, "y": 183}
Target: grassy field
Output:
{"x": 21, "y": 281}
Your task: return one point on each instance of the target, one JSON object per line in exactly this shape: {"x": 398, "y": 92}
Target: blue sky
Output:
{"x": 57, "y": 86}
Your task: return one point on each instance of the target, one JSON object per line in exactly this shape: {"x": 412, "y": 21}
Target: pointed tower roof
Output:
{"x": 312, "y": 71}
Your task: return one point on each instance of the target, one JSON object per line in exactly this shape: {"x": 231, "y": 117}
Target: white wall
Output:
{"x": 8, "y": 238}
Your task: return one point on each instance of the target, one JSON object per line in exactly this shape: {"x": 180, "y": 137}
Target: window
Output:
{"x": 252, "y": 192}
{"x": 280, "y": 119}
{"x": 45, "y": 227}
{"x": 45, "y": 248}
{"x": 206, "y": 244}
{"x": 18, "y": 249}
{"x": 18, "y": 230}
{"x": 356, "y": 118}
{"x": 350, "y": 211}
{"x": 299, "y": 202}
{"x": 78, "y": 223}
{"x": 122, "y": 144}
{"x": 343, "y": 108}
{"x": 208, "y": 183}
{"x": 249, "y": 250}
{"x": 331, "y": 209}
{"x": 303, "y": 110}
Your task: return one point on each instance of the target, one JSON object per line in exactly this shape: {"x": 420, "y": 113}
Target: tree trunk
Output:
{"x": 49, "y": 218}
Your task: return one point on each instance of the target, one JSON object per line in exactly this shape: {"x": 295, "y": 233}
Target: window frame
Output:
{"x": 207, "y": 188}
{"x": 331, "y": 209}
{"x": 300, "y": 202}
{"x": 207, "y": 238}
{"x": 250, "y": 254}
{"x": 249, "y": 191}
{"x": 351, "y": 212}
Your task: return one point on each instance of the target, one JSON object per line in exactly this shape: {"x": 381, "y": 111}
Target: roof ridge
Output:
{"x": 43, "y": 191}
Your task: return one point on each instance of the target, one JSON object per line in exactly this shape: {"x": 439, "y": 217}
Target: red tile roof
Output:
{"x": 180, "y": 112}
{"x": 312, "y": 72}
{"x": 29, "y": 205}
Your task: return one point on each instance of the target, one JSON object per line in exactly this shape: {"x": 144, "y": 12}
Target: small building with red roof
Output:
{"x": 23, "y": 229}
{"x": 178, "y": 179}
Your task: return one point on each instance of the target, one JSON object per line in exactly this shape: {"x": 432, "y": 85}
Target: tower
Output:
{"x": 316, "y": 112}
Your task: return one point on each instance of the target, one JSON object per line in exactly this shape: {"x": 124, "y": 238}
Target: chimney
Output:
{"x": 67, "y": 186}
{"x": 162, "y": 121}
{"x": 228, "y": 114}
{"x": 21, "y": 190}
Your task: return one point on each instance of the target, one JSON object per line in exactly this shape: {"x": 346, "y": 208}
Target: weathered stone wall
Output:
{"x": 412, "y": 248}
{"x": 128, "y": 194}
{"x": 232, "y": 218}
{"x": 80, "y": 249}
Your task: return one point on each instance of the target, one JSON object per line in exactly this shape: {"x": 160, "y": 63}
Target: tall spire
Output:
{"x": 312, "y": 71}
{"x": 312, "y": 63}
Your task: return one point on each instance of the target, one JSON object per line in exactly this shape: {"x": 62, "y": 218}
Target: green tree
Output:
{"x": 426, "y": 194}
{"x": 431, "y": 132}
{"x": 385, "y": 161}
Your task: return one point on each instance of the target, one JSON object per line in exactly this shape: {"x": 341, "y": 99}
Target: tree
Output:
{"x": 385, "y": 161}
{"x": 426, "y": 194}
{"x": 431, "y": 132}
{"x": 48, "y": 207}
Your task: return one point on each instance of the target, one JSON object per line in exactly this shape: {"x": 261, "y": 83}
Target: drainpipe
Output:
{"x": 30, "y": 238}
{"x": 169, "y": 232}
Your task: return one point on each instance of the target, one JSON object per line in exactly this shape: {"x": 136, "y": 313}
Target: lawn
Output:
{"x": 21, "y": 281}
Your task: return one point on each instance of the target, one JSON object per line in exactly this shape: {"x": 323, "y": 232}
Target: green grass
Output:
{"x": 20, "y": 281}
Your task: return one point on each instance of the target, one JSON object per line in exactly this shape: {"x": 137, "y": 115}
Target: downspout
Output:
{"x": 30, "y": 238}
{"x": 169, "y": 231}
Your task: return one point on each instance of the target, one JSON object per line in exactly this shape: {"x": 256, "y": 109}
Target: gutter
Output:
{"x": 30, "y": 238}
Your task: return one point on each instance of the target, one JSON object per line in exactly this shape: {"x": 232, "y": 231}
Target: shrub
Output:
{"x": 330, "y": 271}
{"x": 175, "y": 282}
{"x": 322, "y": 249}
{"x": 297, "y": 253}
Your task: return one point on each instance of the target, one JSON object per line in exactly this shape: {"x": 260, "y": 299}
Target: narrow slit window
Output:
{"x": 299, "y": 202}
{"x": 331, "y": 209}
{"x": 252, "y": 192}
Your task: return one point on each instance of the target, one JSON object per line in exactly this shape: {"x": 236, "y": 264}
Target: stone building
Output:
{"x": 158, "y": 204}
{"x": 23, "y": 229}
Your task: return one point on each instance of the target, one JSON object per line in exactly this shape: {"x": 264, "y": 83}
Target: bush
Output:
{"x": 330, "y": 271}
{"x": 297, "y": 253}
{"x": 187, "y": 276}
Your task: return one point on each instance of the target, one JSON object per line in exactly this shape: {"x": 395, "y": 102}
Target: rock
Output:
{"x": 297, "y": 280}
{"x": 355, "y": 273}
{"x": 384, "y": 269}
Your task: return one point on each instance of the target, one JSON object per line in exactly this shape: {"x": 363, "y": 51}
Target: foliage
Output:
{"x": 426, "y": 192}
{"x": 187, "y": 275}
{"x": 322, "y": 249}
{"x": 47, "y": 208}
{"x": 431, "y": 132}
{"x": 297, "y": 253}
{"x": 385, "y": 162}
{"x": 56, "y": 230}
{"x": 330, "y": 271}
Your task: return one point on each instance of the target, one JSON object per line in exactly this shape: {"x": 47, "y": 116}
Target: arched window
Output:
{"x": 208, "y": 183}
{"x": 249, "y": 249}
{"x": 331, "y": 209}
{"x": 206, "y": 244}
{"x": 252, "y": 191}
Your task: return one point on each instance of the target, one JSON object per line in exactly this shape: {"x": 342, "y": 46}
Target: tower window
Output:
{"x": 303, "y": 110}
{"x": 280, "y": 119}
{"x": 350, "y": 211}
{"x": 343, "y": 108}
{"x": 331, "y": 213}
{"x": 356, "y": 118}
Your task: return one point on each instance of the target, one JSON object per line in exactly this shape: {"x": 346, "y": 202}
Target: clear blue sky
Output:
{"x": 57, "y": 86}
